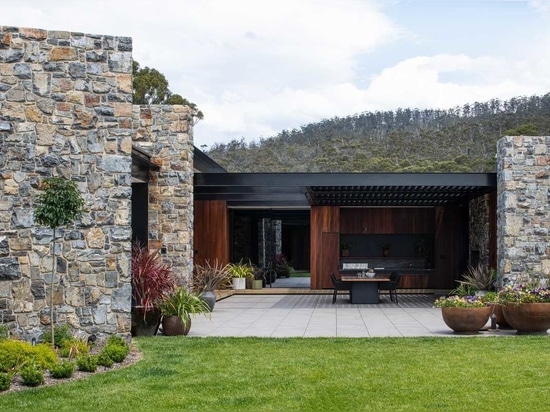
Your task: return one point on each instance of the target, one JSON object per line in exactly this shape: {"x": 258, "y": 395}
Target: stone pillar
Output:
{"x": 523, "y": 212}
{"x": 65, "y": 110}
{"x": 166, "y": 133}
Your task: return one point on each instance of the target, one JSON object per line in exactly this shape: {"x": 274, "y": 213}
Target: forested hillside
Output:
{"x": 461, "y": 139}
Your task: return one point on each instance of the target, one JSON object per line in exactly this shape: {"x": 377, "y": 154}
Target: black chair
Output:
{"x": 391, "y": 286}
{"x": 338, "y": 285}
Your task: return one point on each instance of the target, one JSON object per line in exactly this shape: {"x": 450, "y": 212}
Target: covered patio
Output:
{"x": 437, "y": 223}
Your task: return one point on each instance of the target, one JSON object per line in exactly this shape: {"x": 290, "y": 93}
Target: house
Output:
{"x": 66, "y": 110}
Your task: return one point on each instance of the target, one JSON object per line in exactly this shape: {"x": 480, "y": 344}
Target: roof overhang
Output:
{"x": 342, "y": 189}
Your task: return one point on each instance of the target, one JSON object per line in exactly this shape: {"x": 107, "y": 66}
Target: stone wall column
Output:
{"x": 65, "y": 110}
{"x": 523, "y": 211}
{"x": 166, "y": 133}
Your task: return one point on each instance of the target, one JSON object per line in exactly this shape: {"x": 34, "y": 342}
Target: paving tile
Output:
{"x": 315, "y": 316}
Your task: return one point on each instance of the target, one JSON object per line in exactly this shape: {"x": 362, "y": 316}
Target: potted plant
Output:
{"x": 496, "y": 309}
{"x": 176, "y": 309}
{"x": 480, "y": 278}
{"x": 207, "y": 278}
{"x": 526, "y": 308}
{"x": 345, "y": 248}
{"x": 385, "y": 249}
{"x": 239, "y": 272}
{"x": 152, "y": 280}
{"x": 259, "y": 278}
{"x": 464, "y": 314}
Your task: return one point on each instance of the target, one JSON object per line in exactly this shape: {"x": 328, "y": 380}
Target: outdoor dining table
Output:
{"x": 364, "y": 289}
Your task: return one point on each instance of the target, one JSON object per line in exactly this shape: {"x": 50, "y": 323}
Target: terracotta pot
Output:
{"x": 173, "y": 326}
{"x": 466, "y": 320}
{"x": 145, "y": 325}
{"x": 499, "y": 316}
{"x": 528, "y": 318}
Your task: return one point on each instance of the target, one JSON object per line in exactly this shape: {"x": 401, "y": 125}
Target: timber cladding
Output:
{"x": 325, "y": 228}
{"x": 211, "y": 232}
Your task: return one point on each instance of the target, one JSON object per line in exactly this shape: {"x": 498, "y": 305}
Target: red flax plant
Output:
{"x": 152, "y": 279}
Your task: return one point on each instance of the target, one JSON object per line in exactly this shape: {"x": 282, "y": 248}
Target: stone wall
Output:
{"x": 523, "y": 211}
{"x": 65, "y": 110}
{"x": 166, "y": 133}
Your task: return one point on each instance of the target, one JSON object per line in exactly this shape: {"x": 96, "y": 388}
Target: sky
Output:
{"x": 257, "y": 67}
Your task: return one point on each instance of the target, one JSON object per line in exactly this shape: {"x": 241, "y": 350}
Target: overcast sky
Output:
{"x": 257, "y": 67}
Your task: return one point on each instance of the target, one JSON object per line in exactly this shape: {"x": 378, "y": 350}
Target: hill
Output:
{"x": 460, "y": 139}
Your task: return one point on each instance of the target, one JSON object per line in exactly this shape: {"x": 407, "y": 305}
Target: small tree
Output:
{"x": 60, "y": 204}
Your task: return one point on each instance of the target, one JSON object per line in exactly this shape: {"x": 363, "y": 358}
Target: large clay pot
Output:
{"x": 528, "y": 318}
{"x": 173, "y": 326}
{"x": 145, "y": 325}
{"x": 499, "y": 316}
{"x": 466, "y": 320}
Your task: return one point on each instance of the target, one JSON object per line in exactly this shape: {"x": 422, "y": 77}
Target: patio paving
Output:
{"x": 315, "y": 316}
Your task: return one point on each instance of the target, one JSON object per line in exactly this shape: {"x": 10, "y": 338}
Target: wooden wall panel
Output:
{"x": 211, "y": 232}
{"x": 324, "y": 257}
{"x": 386, "y": 220}
{"x": 450, "y": 251}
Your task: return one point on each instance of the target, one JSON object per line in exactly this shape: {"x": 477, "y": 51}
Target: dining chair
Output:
{"x": 338, "y": 285}
{"x": 391, "y": 286}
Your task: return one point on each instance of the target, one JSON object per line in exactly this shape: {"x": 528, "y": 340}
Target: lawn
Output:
{"x": 300, "y": 274}
{"x": 256, "y": 374}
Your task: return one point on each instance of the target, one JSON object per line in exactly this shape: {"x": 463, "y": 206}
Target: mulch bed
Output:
{"x": 133, "y": 356}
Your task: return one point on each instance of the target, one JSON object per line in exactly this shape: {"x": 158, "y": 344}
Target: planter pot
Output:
{"x": 499, "y": 316}
{"x": 173, "y": 326}
{"x": 345, "y": 252}
{"x": 528, "y": 318}
{"x": 257, "y": 284}
{"x": 466, "y": 320}
{"x": 145, "y": 325}
{"x": 209, "y": 296}
{"x": 238, "y": 283}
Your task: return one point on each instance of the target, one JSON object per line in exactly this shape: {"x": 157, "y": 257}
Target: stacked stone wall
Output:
{"x": 166, "y": 133}
{"x": 523, "y": 211}
{"x": 65, "y": 110}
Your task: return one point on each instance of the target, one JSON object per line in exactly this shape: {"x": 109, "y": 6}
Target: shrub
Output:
{"x": 116, "y": 353}
{"x": 32, "y": 375}
{"x": 73, "y": 348}
{"x": 61, "y": 334}
{"x": 103, "y": 359}
{"x": 15, "y": 353}
{"x": 62, "y": 370}
{"x": 116, "y": 340}
{"x": 87, "y": 363}
{"x": 5, "y": 381}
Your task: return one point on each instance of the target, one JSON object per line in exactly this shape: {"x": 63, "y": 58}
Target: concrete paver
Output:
{"x": 315, "y": 316}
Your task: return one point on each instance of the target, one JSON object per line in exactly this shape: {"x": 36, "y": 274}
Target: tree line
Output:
{"x": 459, "y": 139}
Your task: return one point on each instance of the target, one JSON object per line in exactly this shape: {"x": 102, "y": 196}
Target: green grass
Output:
{"x": 299, "y": 274}
{"x": 254, "y": 374}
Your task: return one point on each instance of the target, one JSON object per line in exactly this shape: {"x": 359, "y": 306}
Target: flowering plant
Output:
{"x": 460, "y": 302}
{"x": 524, "y": 294}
